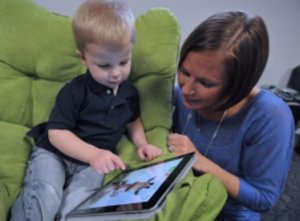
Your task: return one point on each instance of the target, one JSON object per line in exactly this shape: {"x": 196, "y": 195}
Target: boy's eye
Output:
{"x": 123, "y": 63}
{"x": 103, "y": 66}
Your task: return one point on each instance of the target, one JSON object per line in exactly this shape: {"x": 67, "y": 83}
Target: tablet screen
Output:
{"x": 133, "y": 187}
{"x": 142, "y": 187}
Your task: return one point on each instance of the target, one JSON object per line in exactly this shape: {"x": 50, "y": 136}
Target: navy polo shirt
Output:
{"x": 92, "y": 112}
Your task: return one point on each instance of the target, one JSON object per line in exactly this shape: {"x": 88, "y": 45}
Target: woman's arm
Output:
{"x": 230, "y": 181}
{"x": 266, "y": 160}
{"x": 182, "y": 145}
{"x": 263, "y": 162}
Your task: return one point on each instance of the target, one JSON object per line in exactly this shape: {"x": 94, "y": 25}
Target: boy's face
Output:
{"x": 107, "y": 67}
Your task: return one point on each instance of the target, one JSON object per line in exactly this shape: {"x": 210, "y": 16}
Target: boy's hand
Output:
{"x": 105, "y": 161}
{"x": 148, "y": 152}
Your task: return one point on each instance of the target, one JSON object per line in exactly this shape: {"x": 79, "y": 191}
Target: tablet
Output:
{"x": 134, "y": 194}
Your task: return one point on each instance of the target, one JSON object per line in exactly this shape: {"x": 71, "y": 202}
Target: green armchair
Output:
{"x": 37, "y": 57}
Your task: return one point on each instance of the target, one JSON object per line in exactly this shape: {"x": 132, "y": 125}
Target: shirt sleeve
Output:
{"x": 266, "y": 157}
{"x": 66, "y": 109}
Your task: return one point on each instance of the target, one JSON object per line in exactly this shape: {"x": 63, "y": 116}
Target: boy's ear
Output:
{"x": 81, "y": 56}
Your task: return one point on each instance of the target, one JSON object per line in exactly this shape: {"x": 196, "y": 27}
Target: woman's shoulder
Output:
{"x": 264, "y": 107}
{"x": 177, "y": 98}
{"x": 267, "y": 117}
{"x": 177, "y": 90}
{"x": 267, "y": 107}
{"x": 267, "y": 101}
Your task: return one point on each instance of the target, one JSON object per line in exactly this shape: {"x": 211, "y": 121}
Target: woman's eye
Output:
{"x": 184, "y": 72}
{"x": 205, "y": 84}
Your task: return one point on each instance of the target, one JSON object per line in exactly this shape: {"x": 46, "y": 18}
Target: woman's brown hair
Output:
{"x": 243, "y": 40}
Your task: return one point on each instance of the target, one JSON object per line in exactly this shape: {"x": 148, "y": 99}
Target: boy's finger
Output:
{"x": 159, "y": 152}
{"x": 116, "y": 166}
{"x": 150, "y": 155}
{"x": 119, "y": 162}
{"x": 111, "y": 166}
{"x": 142, "y": 155}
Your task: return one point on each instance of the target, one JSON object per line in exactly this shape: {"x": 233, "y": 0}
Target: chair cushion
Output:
{"x": 37, "y": 57}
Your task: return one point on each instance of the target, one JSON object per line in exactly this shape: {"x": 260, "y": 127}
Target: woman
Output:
{"x": 241, "y": 134}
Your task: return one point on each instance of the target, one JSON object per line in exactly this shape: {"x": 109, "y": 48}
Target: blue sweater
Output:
{"x": 256, "y": 144}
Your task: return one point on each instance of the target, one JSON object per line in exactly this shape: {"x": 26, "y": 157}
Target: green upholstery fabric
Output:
{"x": 37, "y": 57}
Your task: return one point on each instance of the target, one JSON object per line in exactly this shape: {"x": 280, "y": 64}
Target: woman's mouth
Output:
{"x": 191, "y": 100}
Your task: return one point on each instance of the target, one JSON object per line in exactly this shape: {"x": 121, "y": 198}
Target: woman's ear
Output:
{"x": 81, "y": 56}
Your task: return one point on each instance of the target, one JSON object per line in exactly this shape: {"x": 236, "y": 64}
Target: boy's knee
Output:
{"x": 41, "y": 199}
{"x": 46, "y": 191}
{"x": 36, "y": 201}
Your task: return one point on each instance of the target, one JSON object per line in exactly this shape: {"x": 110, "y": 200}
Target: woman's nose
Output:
{"x": 188, "y": 87}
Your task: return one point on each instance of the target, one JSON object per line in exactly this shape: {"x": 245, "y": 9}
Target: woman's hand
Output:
{"x": 181, "y": 144}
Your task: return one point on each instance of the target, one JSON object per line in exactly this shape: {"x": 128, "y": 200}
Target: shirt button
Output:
{"x": 108, "y": 91}
{"x": 112, "y": 107}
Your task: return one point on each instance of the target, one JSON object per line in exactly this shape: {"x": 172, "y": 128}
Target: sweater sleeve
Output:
{"x": 266, "y": 157}
{"x": 66, "y": 109}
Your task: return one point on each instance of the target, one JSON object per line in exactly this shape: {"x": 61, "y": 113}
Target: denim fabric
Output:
{"x": 53, "y": 186}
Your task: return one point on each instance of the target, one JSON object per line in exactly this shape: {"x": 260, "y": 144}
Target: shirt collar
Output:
{"x": 125, "y": 89}
{"x": 94, "y": 85}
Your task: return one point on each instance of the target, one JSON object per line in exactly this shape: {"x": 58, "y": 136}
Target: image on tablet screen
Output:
{"x": 133, "y": 187}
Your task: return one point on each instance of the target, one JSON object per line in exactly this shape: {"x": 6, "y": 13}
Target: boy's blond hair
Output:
{"x": 108, "y": 23}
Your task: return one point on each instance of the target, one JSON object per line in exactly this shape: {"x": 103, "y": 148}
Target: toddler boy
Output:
{"x": 77, "y": 145}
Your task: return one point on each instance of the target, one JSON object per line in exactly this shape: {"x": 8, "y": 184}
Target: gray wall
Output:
{"x": 282, "y": 18}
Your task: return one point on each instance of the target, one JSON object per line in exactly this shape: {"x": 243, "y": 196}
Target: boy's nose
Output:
{"x": 116, "y": 72}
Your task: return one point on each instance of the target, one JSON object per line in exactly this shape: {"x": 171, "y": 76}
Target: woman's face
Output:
{"x": 202, "y": 80}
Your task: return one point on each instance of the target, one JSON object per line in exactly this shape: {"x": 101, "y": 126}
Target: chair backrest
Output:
{"x": 295, "y": 108}
{"x": 37, "y": 57}
{"x": 294, "y": 80}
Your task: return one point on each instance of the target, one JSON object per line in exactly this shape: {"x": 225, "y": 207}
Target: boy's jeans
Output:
{"x": 53, "y": 186}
